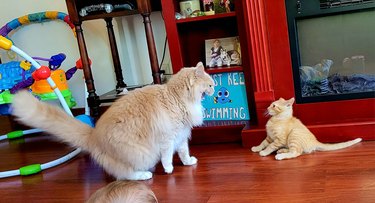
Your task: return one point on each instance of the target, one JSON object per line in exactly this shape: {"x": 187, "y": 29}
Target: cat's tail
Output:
{"x": 335, "y": 146}
{"x": 28, "y": 110}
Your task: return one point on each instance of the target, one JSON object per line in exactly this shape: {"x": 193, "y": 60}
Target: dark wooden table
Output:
{"x": 144, "y": 9}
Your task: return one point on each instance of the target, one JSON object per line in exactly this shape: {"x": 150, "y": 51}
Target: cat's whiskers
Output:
{"x": 266, "y": 113}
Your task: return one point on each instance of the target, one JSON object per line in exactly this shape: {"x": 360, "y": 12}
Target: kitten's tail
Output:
{"x": 335, "y": 146}
{"x": 51, "y": 119}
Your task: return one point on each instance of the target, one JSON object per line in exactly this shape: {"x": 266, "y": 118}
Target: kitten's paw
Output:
{"x": 263, "y": 153}
{"x": 282, "y": 151}
{"x": 256, "y": 149}
{"x": 168, "y": 169}
{"x": 191, "y": 161}
{"x": 279, "y": 157}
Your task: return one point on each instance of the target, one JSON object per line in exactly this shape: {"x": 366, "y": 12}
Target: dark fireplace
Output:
{"x": 333, "y": 49}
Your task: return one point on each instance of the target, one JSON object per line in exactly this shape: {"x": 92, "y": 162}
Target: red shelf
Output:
{"x": 209, "y": 17}
{"x": 224, "y": 69}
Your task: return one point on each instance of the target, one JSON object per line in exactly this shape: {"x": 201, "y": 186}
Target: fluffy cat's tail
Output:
{"x": 335, "y": 146}
{"x": 51, "y": 119}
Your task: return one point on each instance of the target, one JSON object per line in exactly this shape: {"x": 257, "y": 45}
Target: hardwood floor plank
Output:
{"x": 225, "y": 173}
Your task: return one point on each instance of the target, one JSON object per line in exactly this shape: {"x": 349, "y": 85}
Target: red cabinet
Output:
{"x": 330, "y": 121}
{"x": 263, "y": 30}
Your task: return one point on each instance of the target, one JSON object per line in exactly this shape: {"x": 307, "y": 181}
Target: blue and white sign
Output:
{"x": 229, "y": 101}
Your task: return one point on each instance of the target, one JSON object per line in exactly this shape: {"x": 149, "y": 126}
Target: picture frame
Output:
{"x": 223, "y": 52}
{"x": 229, "y": 101}
{"x": 208, "y": 7}
{"x": 223, "y": 6}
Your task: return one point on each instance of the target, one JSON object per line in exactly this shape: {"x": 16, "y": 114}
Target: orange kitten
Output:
{"x": 143, "y": 127}
{"x": 124, "y": 192}
{"x": 289, "y": 136}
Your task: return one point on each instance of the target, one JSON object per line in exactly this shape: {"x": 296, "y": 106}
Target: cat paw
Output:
{"x": 256, "y": 149}
{"x": 282, "y": 151}
{"x": 140, "y": 175}
{"x": 263, "y": 153}
{"x": 191, "y": 161}
{"x": 279, "y": 157}
{"x": 168, "y": 169}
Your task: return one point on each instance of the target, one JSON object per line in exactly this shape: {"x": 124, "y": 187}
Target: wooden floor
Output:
{"x": 225, "y": 173}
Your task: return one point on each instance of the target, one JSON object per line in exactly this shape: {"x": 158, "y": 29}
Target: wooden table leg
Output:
{"x": 144, "y": 8}
{"x": 93, "y": 99}
{"x": 151, "y": 49}
{"x": 115, "y": 56}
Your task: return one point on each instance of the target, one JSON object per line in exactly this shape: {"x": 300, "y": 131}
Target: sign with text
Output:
{"x": 229, "y": 101}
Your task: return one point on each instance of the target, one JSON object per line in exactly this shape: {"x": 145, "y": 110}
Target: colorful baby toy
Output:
{"x": 45, "y": 82}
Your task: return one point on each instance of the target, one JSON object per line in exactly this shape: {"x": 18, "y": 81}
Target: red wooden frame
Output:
{"x": 272, "y": 71}
{"x": 267, "y": 69}
{"x": 169, "y": 9}
{"x": 186, "y": 37}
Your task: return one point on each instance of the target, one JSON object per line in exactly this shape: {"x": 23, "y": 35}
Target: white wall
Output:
{"x": 52, "y": 37}
{"x": 134, "y": 47}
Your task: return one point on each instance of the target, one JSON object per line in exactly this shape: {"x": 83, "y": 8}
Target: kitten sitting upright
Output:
{"x": 289, "y": 136}
{"x": 143, "y": 127}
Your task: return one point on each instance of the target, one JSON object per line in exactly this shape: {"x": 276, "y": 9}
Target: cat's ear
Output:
{"x": 200, "y": 68}
{"x": 290, "y": 101}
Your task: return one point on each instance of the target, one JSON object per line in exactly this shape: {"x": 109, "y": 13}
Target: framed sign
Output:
{"x": 229, "y": 101}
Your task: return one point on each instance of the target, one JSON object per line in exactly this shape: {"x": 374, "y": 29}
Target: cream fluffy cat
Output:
{"x": 289, "y": 136}
{"x": 145, "y": 126}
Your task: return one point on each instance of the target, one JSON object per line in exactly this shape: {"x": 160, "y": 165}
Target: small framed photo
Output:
{"x": 208, "y": 7}
{"x": 223, "y": 52}
{"x": 223, "y": 6}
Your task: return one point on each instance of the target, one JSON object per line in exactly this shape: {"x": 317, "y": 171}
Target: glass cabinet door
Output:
{"x": 333, "y": 49}
{"x": 337, "y": 54}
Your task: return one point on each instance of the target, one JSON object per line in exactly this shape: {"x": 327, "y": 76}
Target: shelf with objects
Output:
{"x": 206, "y": 17}
{"x": 83, "y": 10}
{"x": 214, "y": 35}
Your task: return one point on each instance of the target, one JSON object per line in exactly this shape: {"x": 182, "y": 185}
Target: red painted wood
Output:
{"x": 336, "y": 112}
{"x": 186, "y": 37}
{"x": 247, "y": 58}
{"x": 209, "y": 17}
{"x": 312, "y": 113}
{"x": 224, "y": 69}
{"x": 262, "y": 101}
{"x": 257, "y": 34}
{"x": 280, "y": 57}
{"x": 192, "y": 37}
{"x": 349, "y": 119}
{"x": 262, "y": 27}
{"x": 259, "y": 42}
{"x": 172, "y": 34}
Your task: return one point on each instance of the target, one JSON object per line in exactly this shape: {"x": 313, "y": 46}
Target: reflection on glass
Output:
{"x": 337, "y": 54}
